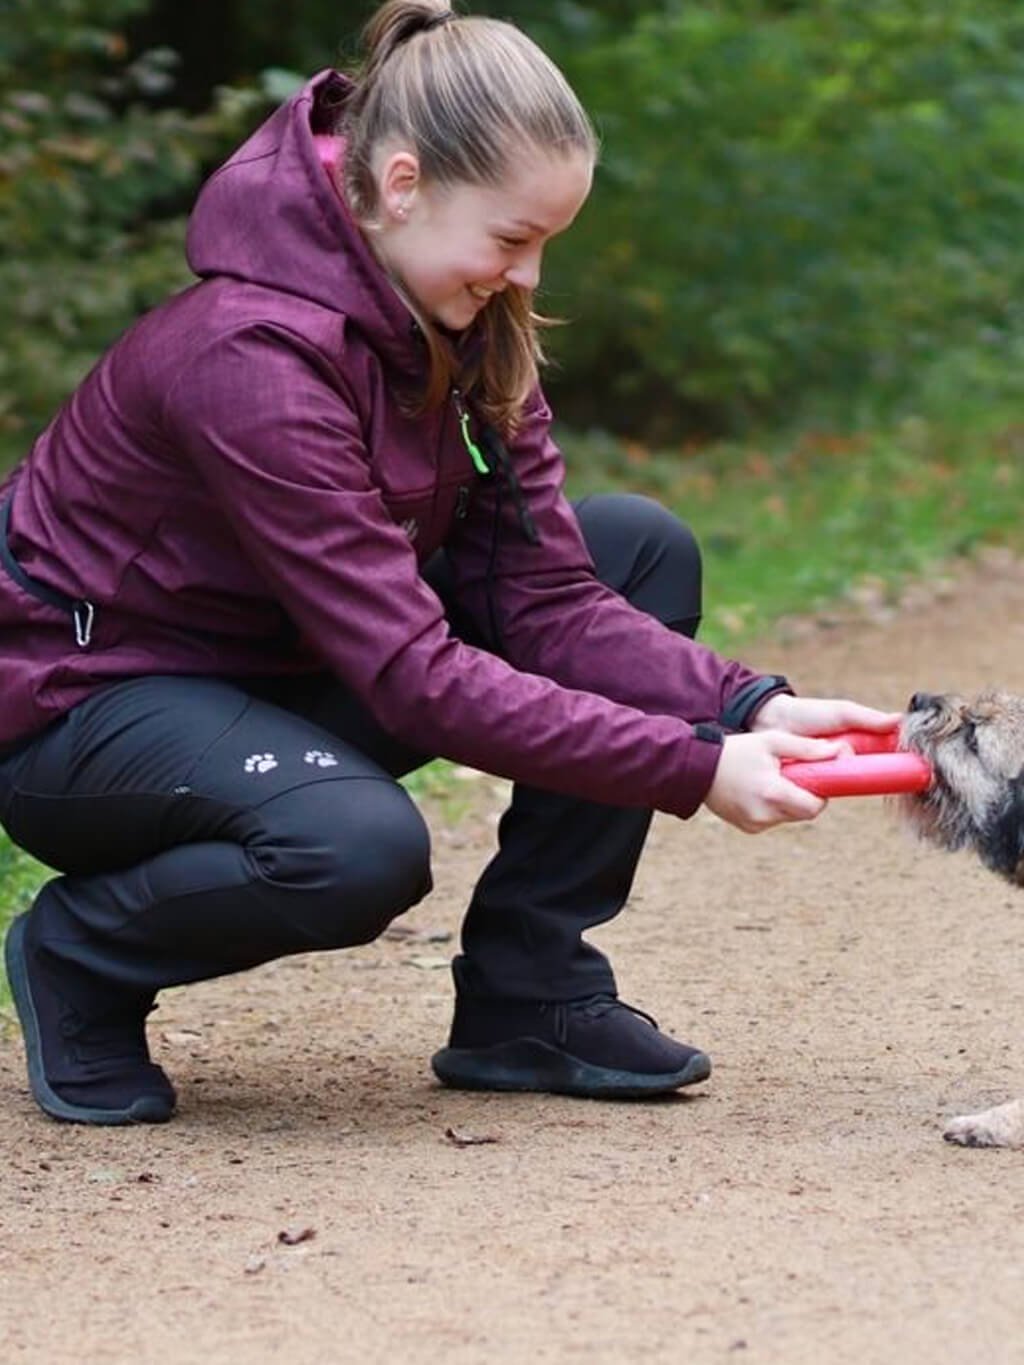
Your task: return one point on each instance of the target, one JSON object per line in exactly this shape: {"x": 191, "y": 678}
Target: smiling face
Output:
{"x": 452, "y": 248}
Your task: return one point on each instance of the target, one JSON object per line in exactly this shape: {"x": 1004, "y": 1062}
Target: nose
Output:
{"x": 525, "y": 270}
{"x": 923, "y": 701}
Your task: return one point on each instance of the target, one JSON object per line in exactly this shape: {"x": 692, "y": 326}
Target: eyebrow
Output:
{"x": 525, "y": 223}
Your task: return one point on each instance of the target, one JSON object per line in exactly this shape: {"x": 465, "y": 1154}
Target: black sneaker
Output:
{"x": 596, "y": 1047}
{"x": 84, "y": 1070}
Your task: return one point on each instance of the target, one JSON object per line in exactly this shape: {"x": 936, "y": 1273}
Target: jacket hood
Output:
{"x": 271, "y": 216}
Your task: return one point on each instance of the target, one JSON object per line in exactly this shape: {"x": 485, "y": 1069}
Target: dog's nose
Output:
{"x": 923, "y": 701}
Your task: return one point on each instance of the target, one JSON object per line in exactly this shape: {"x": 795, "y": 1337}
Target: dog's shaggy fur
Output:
{"x": 976, "y": 801}
{"x": 976, "y": 749}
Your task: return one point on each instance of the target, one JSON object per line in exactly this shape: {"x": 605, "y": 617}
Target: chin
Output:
{"x": 456, "y": 318}
{"x": 460, "y": 312}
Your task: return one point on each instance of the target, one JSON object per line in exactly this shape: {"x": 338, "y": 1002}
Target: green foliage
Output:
{"x": 798, "y": 205}
{"x": 92, "y": 180}
{"x": 801, "y": 207}
{"x": 20, "y": 879}
{"x": 789, "y": 527}
{"x": 224, "y": 43}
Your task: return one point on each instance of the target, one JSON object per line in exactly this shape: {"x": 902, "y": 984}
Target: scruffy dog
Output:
{"x": 976, "y": 749}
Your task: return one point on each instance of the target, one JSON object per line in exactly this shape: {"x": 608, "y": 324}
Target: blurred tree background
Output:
{"x": 806, "y": 213}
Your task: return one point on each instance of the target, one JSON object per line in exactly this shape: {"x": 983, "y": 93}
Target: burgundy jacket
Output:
{"x": 236, "y": 490}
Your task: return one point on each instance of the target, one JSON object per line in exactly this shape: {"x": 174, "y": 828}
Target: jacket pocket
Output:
{"x": 80, "y": 610}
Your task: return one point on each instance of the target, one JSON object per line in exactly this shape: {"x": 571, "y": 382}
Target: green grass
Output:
{"x": 786, "y": 529}
{"x": 20, "y": 879}
{"x": 789, "y": 529}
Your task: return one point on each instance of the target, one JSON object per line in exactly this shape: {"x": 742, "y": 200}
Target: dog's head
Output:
{"x": 976, "y": 800}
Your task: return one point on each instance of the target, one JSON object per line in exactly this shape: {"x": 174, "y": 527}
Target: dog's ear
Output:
{"x": 1003, "y": 842}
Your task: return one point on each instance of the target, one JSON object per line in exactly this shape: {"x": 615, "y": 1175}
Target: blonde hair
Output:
{"x": 468, "y": 94}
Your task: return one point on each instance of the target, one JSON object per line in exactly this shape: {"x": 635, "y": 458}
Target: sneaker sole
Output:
{"x": 146, "y": 1109}
{"x": 529, "y": 1064}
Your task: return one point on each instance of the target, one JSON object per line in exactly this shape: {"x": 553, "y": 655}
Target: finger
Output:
{"x": 783, "y": 803}
{"x": 854, "y": 716}
{"x": 810, "y": 748}
{"x": 794, "y": 801}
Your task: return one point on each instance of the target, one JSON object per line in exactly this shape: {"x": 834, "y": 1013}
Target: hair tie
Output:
{"x": 439, "y": 20}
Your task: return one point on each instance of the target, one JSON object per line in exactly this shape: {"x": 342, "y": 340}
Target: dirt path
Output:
{"x": 852, "y": 987}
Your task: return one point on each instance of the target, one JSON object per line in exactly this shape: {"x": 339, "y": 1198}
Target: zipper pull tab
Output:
{"x": 475, "y": 453}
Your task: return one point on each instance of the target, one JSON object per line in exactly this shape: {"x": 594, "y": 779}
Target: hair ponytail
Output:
{"x": 394, "y": 24}
{"x": 468, "y": 94}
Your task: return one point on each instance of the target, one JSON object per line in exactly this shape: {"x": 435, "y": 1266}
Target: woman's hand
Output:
{"x": 749, "y": 789}
{"x": 818, "y": 716}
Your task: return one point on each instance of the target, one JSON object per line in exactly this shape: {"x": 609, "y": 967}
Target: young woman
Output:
{"x": 302, "y": 528}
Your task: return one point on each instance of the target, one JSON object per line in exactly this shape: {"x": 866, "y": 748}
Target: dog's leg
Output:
{"x": 1002, "y": 1126}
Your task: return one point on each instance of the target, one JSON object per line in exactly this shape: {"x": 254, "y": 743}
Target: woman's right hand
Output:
{"x": 749, "y": 789}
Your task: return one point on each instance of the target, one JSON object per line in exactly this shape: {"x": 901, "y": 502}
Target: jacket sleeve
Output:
{"x": 556, "y": 617}
{"x": 272, "y": 437}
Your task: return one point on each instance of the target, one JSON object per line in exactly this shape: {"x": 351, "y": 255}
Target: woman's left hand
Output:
{"x": 821, "y": 716}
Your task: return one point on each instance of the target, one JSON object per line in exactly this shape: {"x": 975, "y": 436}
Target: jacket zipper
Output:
{"x": 475, "y": 453}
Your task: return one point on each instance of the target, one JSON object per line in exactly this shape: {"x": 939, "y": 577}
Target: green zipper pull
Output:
{"x": 475, "y": 453}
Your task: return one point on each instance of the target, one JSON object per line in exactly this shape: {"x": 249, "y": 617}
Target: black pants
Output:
{"x": 202, "y": 826}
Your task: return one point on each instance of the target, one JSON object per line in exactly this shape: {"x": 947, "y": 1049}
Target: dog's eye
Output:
{"x": 971, "y": 735}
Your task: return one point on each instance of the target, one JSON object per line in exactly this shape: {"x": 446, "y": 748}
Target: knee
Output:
{"x": 646, "y": 553}
{"x": 666, "y": 541}
{"x": 380, "y": 866}
{"x": 353, "y": 861}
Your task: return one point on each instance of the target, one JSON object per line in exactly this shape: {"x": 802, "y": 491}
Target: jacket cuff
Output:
{"x": 745, "y": 703}
{"x": 702, "y": 755}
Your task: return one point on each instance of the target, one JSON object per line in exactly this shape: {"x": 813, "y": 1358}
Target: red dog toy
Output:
{"x": 875, "y": 768}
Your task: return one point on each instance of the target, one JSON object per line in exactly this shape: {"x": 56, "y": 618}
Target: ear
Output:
{"x": 398, "y": 182}
{"x": 1002, "y": 844}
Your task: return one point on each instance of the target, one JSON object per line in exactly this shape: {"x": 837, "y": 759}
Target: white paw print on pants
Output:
{"x": 260, "y": 763}
{"x": 322, "y": 758}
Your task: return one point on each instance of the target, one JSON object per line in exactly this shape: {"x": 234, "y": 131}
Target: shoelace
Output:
{"x": 589, "y": 1007}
